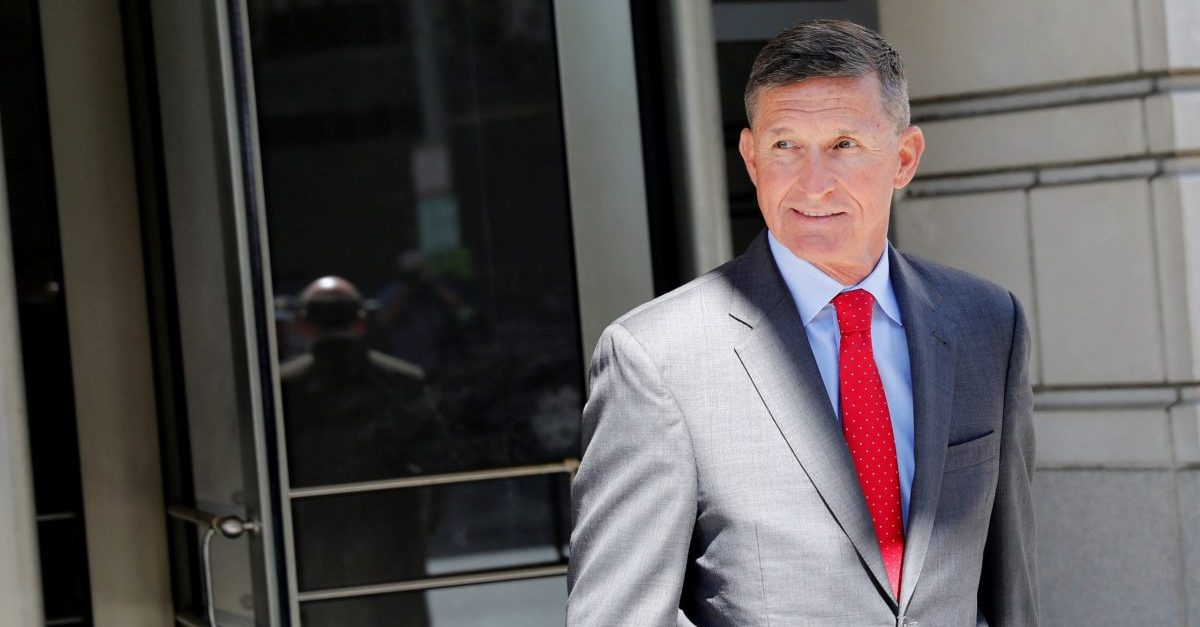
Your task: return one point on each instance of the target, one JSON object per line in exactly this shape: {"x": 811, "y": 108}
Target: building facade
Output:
{"x": 499, "y": 179}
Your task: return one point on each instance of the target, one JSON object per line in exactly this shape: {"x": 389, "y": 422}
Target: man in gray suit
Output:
{"x": 823, "y": 431}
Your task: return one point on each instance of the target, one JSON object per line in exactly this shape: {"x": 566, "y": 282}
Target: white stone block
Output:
{"x": 1189, "y": 523}
{"x": 1138, "y": 168}
{"x": 1173, "y": 121}
{"x": 1123, "y": 397}
{"x": 1160, "y": 122}
{"x": 1183, "y": 34}
{"x": 963, "y": 46}
{"x": 1056, "y": 96}
{"x": 1103, "y": 438}
{"x": 1108, "y": 549}
{"x": 1185, "y": 432}
{"x": 1189, "y": 232}
{"x": 1152, "y": 25}
{"x": 969, "y": 184}
{"x": 1177, "y": 234}
{"x": 1170, "y": 34}
{"x": 985, "y": 234}
{"x": 1186, "y": 109}
{"x": 1041, "y": 136}
{"x": 1189, "y": 276}
{"x": 1099, "y": 315}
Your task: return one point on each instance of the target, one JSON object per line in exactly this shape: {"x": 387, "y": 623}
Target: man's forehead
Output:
{"x": 777, "y": 130}
{"x": 818, "y": 98}
{"x": 832, "y": 87}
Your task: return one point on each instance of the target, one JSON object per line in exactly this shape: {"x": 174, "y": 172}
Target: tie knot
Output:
{"x": 854, "y": 311}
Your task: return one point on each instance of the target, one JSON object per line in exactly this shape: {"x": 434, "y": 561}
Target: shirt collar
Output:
{"x": 812, "y": 289}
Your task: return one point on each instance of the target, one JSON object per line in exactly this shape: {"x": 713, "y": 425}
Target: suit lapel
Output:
{"x": 777, "y": 356}
{"x": 932, "y": 359}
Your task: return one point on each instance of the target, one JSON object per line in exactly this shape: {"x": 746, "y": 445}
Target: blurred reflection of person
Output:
{"x": 353, "y": 414}
{"x": 418, "y": 313}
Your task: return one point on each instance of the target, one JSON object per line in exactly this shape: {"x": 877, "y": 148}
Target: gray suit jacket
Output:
{"x": 716, "y": 489}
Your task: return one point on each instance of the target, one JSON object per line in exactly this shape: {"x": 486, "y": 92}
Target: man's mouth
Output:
{"x": 816, "y": 214}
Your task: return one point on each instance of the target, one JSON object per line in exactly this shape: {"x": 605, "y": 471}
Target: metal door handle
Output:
{"x": 229, "y": 526}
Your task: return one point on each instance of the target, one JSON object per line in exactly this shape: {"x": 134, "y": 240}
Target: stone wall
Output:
{"x": 1063, "y": 162}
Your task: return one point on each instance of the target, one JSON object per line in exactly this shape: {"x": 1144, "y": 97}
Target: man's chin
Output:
{"x": 815, "y": 248}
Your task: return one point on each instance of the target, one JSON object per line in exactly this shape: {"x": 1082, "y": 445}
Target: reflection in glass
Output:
{"x": 352, "y": 413}
{"x": 414, "y": 148}
{"x": 530, "y": 603}
{"x": 412, "y": 152}
{"x": 406, "y": 534}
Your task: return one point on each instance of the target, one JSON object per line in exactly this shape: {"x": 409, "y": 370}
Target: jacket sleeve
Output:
{"x": 1008, "y": 594}
{"x": 634, "y": 496}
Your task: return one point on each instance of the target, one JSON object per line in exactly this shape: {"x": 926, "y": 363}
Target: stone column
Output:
{"x": 1063, "y": 162}
{"x": 20, "y": 574}
{"x": 106, "y": 313}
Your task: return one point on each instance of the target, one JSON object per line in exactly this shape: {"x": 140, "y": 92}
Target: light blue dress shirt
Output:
{"x": 813, "y": 292}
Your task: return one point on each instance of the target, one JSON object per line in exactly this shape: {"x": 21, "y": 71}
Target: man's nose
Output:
{"x": 815, "y": 176}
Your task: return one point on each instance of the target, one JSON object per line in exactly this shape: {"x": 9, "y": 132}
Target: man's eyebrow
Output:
{"x": 784, "y": 130}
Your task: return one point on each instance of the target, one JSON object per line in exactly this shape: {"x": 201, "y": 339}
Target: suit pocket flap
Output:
{"x": 972, "y": 452}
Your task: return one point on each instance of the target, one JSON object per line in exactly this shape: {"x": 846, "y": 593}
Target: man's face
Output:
{"x": 825, "y": 158}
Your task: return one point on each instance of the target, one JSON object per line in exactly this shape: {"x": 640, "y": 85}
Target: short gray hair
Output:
{"x": 830, "y": 49}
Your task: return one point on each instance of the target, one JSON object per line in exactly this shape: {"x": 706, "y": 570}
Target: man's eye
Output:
{"x": 845, "y": 143}
{"x": 784, "y": 144}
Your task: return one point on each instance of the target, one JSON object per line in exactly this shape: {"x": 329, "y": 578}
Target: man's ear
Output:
{"x": 746, "y": 147}
{"x": 912, "y": 146}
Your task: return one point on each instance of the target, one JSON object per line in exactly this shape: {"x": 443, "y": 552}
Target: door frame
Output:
{"x": 606, "y": 187}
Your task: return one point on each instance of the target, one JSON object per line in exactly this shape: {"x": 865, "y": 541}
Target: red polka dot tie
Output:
{"x": 867, "y": 426}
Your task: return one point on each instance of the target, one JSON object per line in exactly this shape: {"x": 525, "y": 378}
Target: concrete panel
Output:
{"x": 1178, "y": 247}
{"x": 957, "y": 46}
{"x": 1137, "y": 168}
{"x": 985, "y": 234}
{"x": 1041, "y": 136}
{"x": 970, "y": 184}
{"x": 1185, "y": 432}
{"x": 1185, "y": 107}
{"x": 1189, "y": 208}
{"x": 1170, "y": 34}
{"x": 1116, "y": 397}
{"x": 1152, "y": 22}
{"x": 1160, "y": 122}
{"x": 1183, "y": 33}
{"x": 1173, "y": 121}
{"x": 1103, "y": 438}
{"x": 1189, "y": 522}
{"x": 1189, "y": 232}
{"x": 1098, "y": 304}
{"x": 1108, "y": 549}
{"x": 1177, "y": 206}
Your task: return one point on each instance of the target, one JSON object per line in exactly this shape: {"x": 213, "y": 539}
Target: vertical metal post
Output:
{"x": 605, "y": 173}
{"x": 230, "y": 527}
{"x": 20, "y": 580}
{"x": 700, "y": 178}
{"x": 209, "y": 598}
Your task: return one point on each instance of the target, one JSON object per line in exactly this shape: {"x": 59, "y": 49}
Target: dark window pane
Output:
{"x": 527, "y": 603}
{"x": 415, "y": 149}
{"x": 402, "y": 535}
{"x": 64, "y": 583}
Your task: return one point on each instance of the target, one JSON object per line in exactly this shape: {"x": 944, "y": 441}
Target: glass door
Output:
{"x": 416, "y": 201}
{"x": 397, "y": 228}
